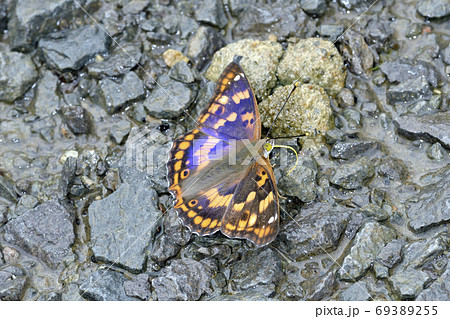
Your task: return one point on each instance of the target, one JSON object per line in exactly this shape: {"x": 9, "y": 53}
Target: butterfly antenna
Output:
{"x": 282, "y": 107}
{"x": 296, "y": 155}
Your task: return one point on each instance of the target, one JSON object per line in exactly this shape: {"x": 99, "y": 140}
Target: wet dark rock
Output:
{"x": 356, "y": 292}
{"x": 375, "y": 212}
{"x": 392, "y": 169}
{"x": 436, "y": 152}
{"x": 389, "y": 255}
{"x": 409, "y": 283}
{"x": 258, "y": 294}
{"x": 353, "y": 175}
{"x": 202, "y": 45}
{"x": 121, "y": 60}
{"x": 46, "y": 101}
{"x": 181, "y": 25}
{"x": 431, "y": 128}
{"x": 184, "y": 279}
{"x": 446, "y": 55}
{"x": 321, "y": 228}
{"x": 211, "y": 12}
{"x": 104, "y": 285}
{"x": 114, "y": 95}
{"x": 356, "y": 51}
{"x": 169, "y": 99}
{"x": 17, "y": 75}
{"x": 406, "y": 69}
{"x": 174, "y": 236}
{"x": 351, "y": 150}
{"x": 45, "y": 232}
{"x": 410, "y": 277}
{"x": 433, "y": 8}
{"x": 301, "y": 182}
{"x": 345, "y": 98}
{"x": 261, "y": 267}
{"x": 145, "y": 157}
{"x": 334, "y": 135}
{"x": 352, "y": 117}
{"x": 368, "y": 243}
{"x": 122, "y": 225}
{"x": 120, "y": 130}
{"x": 32, "y": 19}
{"x": 438, "y": 290}
{"x": 320, "y": 287}
{"x": 76, "y": 118}
{"x": 135, "y": 6}
{"x": 314, "y": 7}
{"x": 138, "y": 287}
{"x": 330, "y": 32}
{"x": 378, "y": 32}
{"x": 410, "y": 91}
{"x": 71, "y": 50}
{"x": 7, "y": 189}
{"x": 68, "y": 174}
{"x": 381, "y": 271}
{"x": 12, "y": 283}
{"x": 420, "y": 108}
{"x": 431, "y": 206}
{"x": 369, "y": 108}
{"x": 350, "y": 4}
{"x": 3, "y": 16}
{"x": 282, "y": 20}
{"x": 181, "y": 72}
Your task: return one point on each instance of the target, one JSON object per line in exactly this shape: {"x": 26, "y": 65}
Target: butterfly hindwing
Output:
{"x": 232, "y": 112}
{"x": 201, "y": 180}
{"x": 254, "y": 213}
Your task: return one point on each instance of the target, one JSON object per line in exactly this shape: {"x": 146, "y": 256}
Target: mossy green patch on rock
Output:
{"x": 307, "y": 111}
{"x": 313, "y": 61}
{"x": 259, "y": 62}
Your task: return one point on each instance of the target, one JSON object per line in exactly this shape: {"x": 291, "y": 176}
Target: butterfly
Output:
{"x": 219, "y": 172}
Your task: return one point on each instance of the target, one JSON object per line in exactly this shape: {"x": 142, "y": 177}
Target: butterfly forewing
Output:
{"x": 232, "y": 113}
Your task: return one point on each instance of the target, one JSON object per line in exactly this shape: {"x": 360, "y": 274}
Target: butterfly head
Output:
{"x": 268, "y": 147}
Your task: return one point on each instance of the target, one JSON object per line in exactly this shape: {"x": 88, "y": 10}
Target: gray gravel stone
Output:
{"x": 76, "y": 118}
{"x": 438, "y": 290}
{"x": 114, "y": 95}
{"x": 369, "y": 241}
{"x": 410, "y": 91}
{"x": 261, "y": 267}
{"x": 32, "y": 19}
{"x": 314, "y": 7}
{"x": 12, "y": 283}
{"x": 138, "y": 287}
{"x": 45, "y": 231}
{"x": 431, "y": 206}
{"x": 352, "y": 149}
{"x": 7, "y": 189}
{"x": 169, "y": 99}
{"x": 390, "y": 255}
{"x": 436, "y": 152}
{"x": 202, "y": 45}
{"x": 211, "y": 12}
{"x": 353, "y": 175}
{"x": 406, "y": 69}
{"x": 122, "y": 225}
{"x": 68, "y": 174}
{"x": 301, "y": 182}
{"x": 432, "y": 128}
{"x": 375, "y": 212}
{"x": 356, "y": 292}
{"x": 345, "y": 98}
{"x": 3, "y": 16}
{"x": 315, "y": 230}
{"x": 46, "y": 102}
{"x": 104, "y": 285}
{"x": 409, "y": 283}
{"x": 434, "y": 8}
{"x": 182, "y": 73}
{"x": 121, "y": 60}
{"x": 17, "y": 75}
{"x": 184, "y": 279}
{"x": 355, "y": 49}
{"x": 71, "y": 50}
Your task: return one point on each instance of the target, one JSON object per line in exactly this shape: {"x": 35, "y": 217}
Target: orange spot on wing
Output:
{"x": 177, "y": 165}
{"x": 206, "y": 222}
{"x": 197, "y": 220}
{"x": 179, "y": 154}
{"x": 184, "y": 145}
